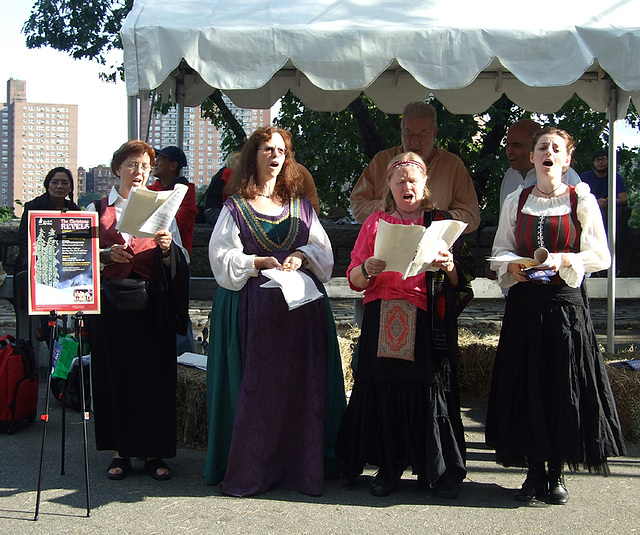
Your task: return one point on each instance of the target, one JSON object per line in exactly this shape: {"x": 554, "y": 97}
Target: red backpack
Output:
{"x": 18, "y": 383}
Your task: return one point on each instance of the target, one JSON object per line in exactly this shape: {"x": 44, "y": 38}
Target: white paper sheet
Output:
{"x": 297, "y": 287}
{"x": 540, "y": 256}
{"x": 410, "y": 249}
{"x": 147, "y": 211}
{"x": 193, "y": 359}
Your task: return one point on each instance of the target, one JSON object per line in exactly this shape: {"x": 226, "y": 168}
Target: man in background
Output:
{"x": 598, "y": 180}
{"x": 167, "y": 171}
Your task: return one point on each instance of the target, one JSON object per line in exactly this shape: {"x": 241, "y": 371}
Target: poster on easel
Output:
{"x": 64, "y": 268}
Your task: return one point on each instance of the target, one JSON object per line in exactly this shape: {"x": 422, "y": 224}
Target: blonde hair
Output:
{"x": 401, "y": 160}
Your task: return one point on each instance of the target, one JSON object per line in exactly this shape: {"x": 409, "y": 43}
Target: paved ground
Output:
{"x": 139, "y": 505}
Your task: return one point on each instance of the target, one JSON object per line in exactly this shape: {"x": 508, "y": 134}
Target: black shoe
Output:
{"x": 381, "y": 485}
{"x": 533, "y": 487}
{"x": 444, "y": 491}
{"x": 558, "y": 494}
{"x": 444, "y": 487}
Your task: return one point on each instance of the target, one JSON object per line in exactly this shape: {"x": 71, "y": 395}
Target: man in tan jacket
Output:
{"x": 448, "y": 181}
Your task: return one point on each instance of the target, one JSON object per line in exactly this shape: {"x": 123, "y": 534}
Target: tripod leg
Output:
{"x": 45, "y": 416}
{"x": 64, "y": 426}
{"x": 64, "y": 411}
{"x": 83, "y": 405}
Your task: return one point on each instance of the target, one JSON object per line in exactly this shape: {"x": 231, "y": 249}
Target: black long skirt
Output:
{"x": 550, "y": 394}
{"x": 133, "y": 369}
{"x": 402, "y": 413}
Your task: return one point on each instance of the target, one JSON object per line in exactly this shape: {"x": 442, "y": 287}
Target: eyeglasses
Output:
{"x": 409, "y": 136}
{"x": 274, "y": 151}
{"x": 135, "y": 166}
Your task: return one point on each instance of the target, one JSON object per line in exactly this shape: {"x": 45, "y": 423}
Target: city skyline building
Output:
{"x": 34, "y": 138}
{"x": 202, "y": 143}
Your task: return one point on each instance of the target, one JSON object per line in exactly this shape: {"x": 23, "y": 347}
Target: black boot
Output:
{"x": 535, "y": 485}
{"x": 558, "y": 494}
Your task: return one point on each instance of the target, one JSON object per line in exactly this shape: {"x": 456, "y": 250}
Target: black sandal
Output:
{"x": 123, "y": 464}
{"x": 151, "y": 467}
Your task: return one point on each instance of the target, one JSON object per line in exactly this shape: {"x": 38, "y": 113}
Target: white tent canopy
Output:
{"x": 465, "y": 53}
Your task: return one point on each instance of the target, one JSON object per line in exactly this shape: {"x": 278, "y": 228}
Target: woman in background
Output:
{"x": 58, "y": 196}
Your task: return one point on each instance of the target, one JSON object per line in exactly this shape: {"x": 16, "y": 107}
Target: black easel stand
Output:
{"x": 85, "y": 414}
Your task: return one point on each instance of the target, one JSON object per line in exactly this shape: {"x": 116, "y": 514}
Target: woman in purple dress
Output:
{"x": 275, "y": 390}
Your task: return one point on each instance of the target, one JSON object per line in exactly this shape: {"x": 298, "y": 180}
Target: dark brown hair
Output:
{"x": 552, "y": 130}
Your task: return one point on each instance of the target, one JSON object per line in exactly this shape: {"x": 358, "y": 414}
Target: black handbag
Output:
{"x": 127, "y": 294}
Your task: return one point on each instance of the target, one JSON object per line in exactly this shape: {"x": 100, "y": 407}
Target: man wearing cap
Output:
{"x": 598, "y": 180}
{"x": 169, "y": 163}
{"x": 166, "y": 169}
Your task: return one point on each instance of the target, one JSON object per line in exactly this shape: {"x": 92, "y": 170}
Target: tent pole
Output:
{"x": 132, "y": 117}
{"x": 180, "y": 112}
{"x": 611, "y": 221}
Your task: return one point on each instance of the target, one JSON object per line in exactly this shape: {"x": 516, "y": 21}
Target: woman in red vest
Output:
{"x": 144, "y": 304}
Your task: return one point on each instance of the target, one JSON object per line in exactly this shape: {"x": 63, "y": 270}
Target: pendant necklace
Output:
{"x": 551, "y": 192}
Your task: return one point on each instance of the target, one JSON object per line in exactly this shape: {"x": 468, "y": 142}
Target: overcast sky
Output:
{"x": 53, "y": 77}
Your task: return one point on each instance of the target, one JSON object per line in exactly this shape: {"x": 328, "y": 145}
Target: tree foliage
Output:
{"x": 82, "y": 28}
{"x": 7, "y": 213}
{"x": 332, "y": 147}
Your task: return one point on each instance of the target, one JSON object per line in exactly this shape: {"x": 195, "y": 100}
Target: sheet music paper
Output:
{"x": 410, "y": 249}
{"x": 297, "y": 287}
{"x": 147, "y": 211}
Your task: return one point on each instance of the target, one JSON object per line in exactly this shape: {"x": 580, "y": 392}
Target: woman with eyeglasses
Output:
{"x": 274, "y": 377}
{"x": 133, "y": 340}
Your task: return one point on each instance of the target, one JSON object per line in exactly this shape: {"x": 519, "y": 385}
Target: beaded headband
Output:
{"x": 406, "y": 162}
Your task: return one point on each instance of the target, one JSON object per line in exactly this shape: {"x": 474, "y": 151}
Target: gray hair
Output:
{"x": 421, "y": 109}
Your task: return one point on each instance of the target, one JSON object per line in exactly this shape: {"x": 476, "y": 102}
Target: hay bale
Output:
{"x": 191, "y": 398}
{"x": 476, "y": 356}
{"x": 475, "y": 367}
{"x": 625, "y": 384}
{"x": 347, "y": 342}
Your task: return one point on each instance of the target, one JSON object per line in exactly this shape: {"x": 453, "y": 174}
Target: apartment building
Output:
{"x": 34, "y": 138}
{"x": 202, "y": 143}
